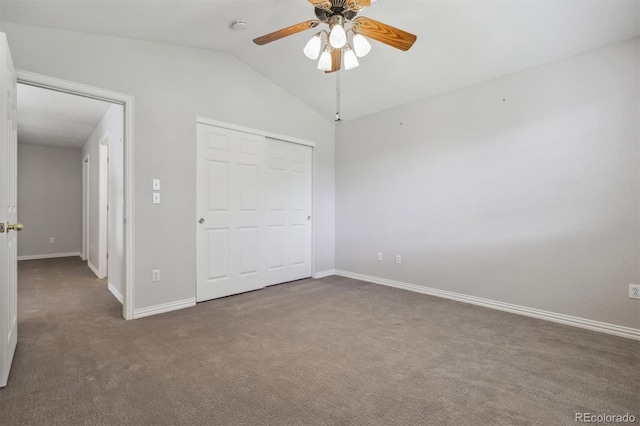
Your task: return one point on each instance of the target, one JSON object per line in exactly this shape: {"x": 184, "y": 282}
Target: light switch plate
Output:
{"x": 156, "y": 198}
{"x": 156, "y": 184}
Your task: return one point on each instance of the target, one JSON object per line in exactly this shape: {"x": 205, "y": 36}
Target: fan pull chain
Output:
{"x": 338, "y": 119}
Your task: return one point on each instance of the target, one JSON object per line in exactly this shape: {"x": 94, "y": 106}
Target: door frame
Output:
{"x": 65, "y": 86}
{"x": 230, "y": 126}
{"x": 86, "y": 196}
{"x": 103, "y": 200}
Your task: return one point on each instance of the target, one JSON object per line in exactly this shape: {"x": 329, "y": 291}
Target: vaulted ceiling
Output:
{"x": 460, "y": 42}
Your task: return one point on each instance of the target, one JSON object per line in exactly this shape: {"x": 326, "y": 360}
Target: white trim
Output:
{"x": 103, "y": 200}
{"x": 86, "y": 164}
{"x": 50, "y": 256}
{"x": 209, "y": 121}
{"x": 165, "y": 307}
{"x": 115, "y": 292}
{"x": 322, "y": 274}
{"x": 127, "y": 102}
{"x": 602, "y": 327}
{"x": 94, "y": 269}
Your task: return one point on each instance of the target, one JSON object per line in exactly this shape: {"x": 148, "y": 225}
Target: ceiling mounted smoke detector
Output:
{"x": 239, "y": 25}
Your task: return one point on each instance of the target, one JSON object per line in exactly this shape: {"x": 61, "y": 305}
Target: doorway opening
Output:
{"x": 80, "y": 209}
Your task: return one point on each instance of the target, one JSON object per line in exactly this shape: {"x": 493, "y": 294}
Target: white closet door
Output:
{"x": 289, "y": 211}
{"x": 231, "y": 228}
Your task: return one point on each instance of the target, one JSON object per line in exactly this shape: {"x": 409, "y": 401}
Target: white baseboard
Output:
{"x": 603, "y": 327}
{"x": 322, "y": 274}
{"x": 165, "y": 307}
{"x": 49, "y": 256}
{"x": 94, "y": 269}
{"x": 116, "y": 293}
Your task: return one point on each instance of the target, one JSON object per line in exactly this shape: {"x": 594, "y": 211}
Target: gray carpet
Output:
{"x": 334, "y": 351}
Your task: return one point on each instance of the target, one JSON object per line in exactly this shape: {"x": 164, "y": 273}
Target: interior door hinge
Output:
{"x": 1, "y": 227}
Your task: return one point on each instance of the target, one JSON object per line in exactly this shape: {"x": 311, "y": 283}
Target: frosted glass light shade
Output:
{"x": 360, "y": 45}
{"x": 312, "y": 49}
{"x": 337, "y": 38}
{"x": 324, "y": 63}
{"x": 350, "y": 60}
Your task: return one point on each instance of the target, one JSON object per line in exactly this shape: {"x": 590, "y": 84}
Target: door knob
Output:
{"x": 15, "y": 227}
{"x": 201, "y": 220}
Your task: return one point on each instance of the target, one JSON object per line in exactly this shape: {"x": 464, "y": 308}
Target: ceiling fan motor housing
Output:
{"x": 324, "y": 15}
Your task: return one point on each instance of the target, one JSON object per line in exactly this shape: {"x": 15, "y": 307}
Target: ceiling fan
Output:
{"x": 341, "y": 17}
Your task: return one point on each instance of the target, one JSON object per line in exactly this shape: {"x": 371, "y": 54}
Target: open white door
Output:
{"x": 8, "y": 213}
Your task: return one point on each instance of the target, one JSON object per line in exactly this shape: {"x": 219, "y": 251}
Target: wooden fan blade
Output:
{"x": 336, "y": 60}
{"x": 277, "y": 35}
{"x": 364, "y": 3}
{"x": 384, "y": 33}
{"x": 321, "y": 4}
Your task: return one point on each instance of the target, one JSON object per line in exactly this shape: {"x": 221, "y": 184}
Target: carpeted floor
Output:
{"x": 334, "y": 351}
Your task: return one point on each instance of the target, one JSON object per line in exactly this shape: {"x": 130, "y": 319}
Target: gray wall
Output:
{"x": 533, "y": 200}
{"x": 172, "y": 85}
{"x": 49, "y": 200}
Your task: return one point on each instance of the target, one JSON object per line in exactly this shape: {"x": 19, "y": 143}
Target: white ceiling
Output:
{"x": 50, "y": 118}
{"x": 460, "y": 42}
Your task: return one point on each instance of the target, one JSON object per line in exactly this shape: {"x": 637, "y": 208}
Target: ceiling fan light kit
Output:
{"x": 324, "y": 64}
{"x": 350, "y": 59}
{"x": 337, "y": 36}
{"x": 312, "y": 49}
{"x": 341, "y": 17}
{"x": 360, "y": 45}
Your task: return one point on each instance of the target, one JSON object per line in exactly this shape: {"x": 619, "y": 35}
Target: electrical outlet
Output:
{"x": 379, "y": 257}
{"x": 634, "y": 291}
{"x": 52, "y": 240}
{"x": 398, "y": 259}
{"x": 155, "y": 275}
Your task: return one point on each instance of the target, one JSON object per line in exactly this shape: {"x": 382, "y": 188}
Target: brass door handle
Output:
{"x": 15, "y": 227}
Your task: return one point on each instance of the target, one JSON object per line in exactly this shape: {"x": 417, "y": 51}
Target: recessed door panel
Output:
{"x": 299, "y": 159}
{"x": 218, "y": 141}
{"x": 276, "y": 246}
{"x": 248, "y": 247}
{"x": 249, "y": 146}
{"x": 218, "y": 185}
{"x": 276, "y": 152}
{"x": 298, "y": 244}
{"x": 219, "y": 247}
{"x": 299, "y": 191}
{"x": 248, "y": 187}
{"x": 277, "y": 190}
